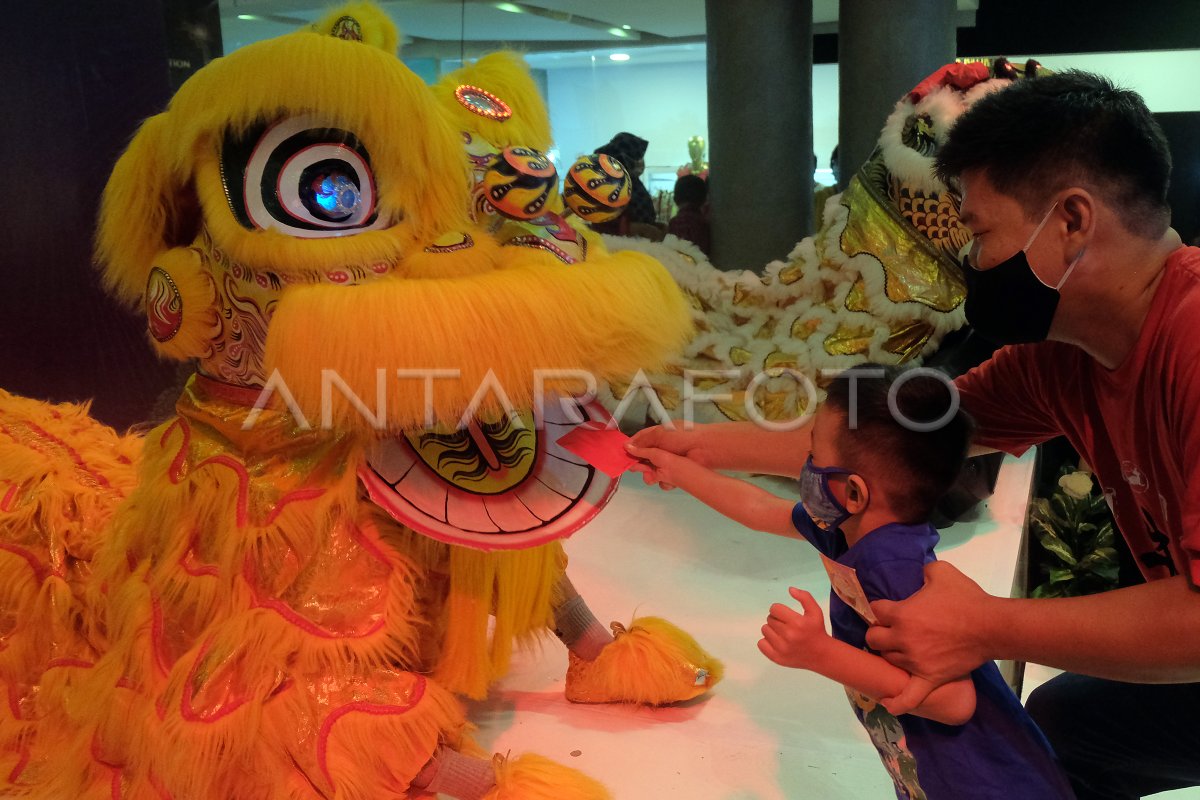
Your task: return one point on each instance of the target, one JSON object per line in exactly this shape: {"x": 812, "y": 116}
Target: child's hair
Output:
{"x": 690, "y": 190}
{"x": 912, "y": 446}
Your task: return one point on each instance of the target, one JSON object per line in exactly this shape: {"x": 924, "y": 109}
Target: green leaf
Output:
{"x": 1040, "y": 509}
{"x": 1059, "y": 506}
{"x": 1051, "y": 542}
{"x": 1060, "y": 575}
{"x": 1097, "y": 559}
{"x": 1111, "y": 573}
{"x": 1047, "y": 590}
{"x": 1038, "y": 522}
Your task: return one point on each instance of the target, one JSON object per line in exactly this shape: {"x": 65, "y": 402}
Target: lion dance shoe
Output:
{"x": 652, "y": 662}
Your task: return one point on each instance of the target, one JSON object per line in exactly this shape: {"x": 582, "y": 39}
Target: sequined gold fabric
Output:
{"x": 284, "y": 458}
{"x": 906, "y": 340}
{"x": 914, "y": 269}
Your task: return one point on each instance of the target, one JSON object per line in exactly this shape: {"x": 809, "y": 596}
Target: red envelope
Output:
{"x": 601, "y": 447}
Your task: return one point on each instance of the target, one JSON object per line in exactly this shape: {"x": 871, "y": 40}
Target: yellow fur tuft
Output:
{"x": 505, "y": 75}
{"x": 653, "y": 662}
{"x": 532, "y": 777}
{"x": 610, "y": 319}
{"x": 141, "y": 209}
{"x": 370, "y": 755}
{"x": 62, "y": 476}
{"x": 515, "y": 587}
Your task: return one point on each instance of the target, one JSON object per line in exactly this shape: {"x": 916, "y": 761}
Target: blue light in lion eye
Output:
{"x": 336, "y": 196}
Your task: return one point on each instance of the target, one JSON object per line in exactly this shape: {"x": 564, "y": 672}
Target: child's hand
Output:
{"x": 657, "y": 466}
{"x": 689, "y": 443}
{"x": 793, "y": 639}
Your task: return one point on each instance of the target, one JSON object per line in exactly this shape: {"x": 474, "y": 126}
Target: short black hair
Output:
{"x": 690, "y": 190}
{"x": 1041, "y": 135}
{"x": 911, "y": 459}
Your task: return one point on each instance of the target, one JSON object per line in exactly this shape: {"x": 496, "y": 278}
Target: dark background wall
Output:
{"x": 1183, "y": 133}
{"x": 1027, "y": 27}
{"x": 75, "y": 81}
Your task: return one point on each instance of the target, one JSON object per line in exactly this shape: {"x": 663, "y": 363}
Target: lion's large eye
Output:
{"x": 300, "y": 177}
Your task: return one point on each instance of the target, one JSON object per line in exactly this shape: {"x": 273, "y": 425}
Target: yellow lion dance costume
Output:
{"x": 215, "y": 610}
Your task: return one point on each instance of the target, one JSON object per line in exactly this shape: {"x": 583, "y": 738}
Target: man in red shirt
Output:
{"x": 1072, "y": 265}
{"x": 1063, "y": 183}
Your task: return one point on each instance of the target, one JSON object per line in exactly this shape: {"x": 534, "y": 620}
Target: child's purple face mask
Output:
{"x": 818, "y": 499}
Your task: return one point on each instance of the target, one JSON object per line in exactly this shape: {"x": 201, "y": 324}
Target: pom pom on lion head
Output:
{"x": 328, "y": 116}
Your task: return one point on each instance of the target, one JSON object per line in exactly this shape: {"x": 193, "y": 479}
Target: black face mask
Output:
{"x": 1009, "y": 303}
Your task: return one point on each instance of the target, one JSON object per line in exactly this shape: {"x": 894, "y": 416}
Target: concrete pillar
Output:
{"x": 759, "y": 128}
{"x": 885, "y": 48}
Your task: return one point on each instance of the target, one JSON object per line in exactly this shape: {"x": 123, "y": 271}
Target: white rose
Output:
{"x": 1077, "y": 485}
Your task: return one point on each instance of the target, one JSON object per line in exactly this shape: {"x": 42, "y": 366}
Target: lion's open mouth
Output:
{"x": 492, "y": 485}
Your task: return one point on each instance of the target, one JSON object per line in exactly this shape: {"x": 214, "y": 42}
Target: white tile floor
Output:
{"x": 766, "y": 732}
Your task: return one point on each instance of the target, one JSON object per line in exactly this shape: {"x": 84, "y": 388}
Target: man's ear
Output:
{"x": 1079, "y": 207}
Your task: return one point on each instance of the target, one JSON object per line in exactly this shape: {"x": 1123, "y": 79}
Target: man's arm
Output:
{"x": 740, "y": 501}
{"x": 735, "y": 446}
{"x": 799, "y": 640}
{"x": 1147, "y": 634}
{"x": 1006, "y": 397}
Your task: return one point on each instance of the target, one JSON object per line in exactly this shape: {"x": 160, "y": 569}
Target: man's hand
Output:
{"x": 933, "y": 635}
{"x": 794, "y": 639}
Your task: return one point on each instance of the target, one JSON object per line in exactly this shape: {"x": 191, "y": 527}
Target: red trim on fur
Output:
{"x": 39, "y": 571}
{"x": 19, "y": 767}
{"x": 366, "y": 708}
{"x": 185, "y": 701}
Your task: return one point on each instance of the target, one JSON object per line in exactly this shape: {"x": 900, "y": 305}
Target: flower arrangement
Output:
{"x": 1076, "y": 532}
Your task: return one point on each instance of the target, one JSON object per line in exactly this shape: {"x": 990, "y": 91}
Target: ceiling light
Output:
{"x": 247, "y": 17}
{"x": 510, "y": 7}
{"x": 626, "y": 27}
{"x": 619, "y": 57}
{"x": 618, "y": 33}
